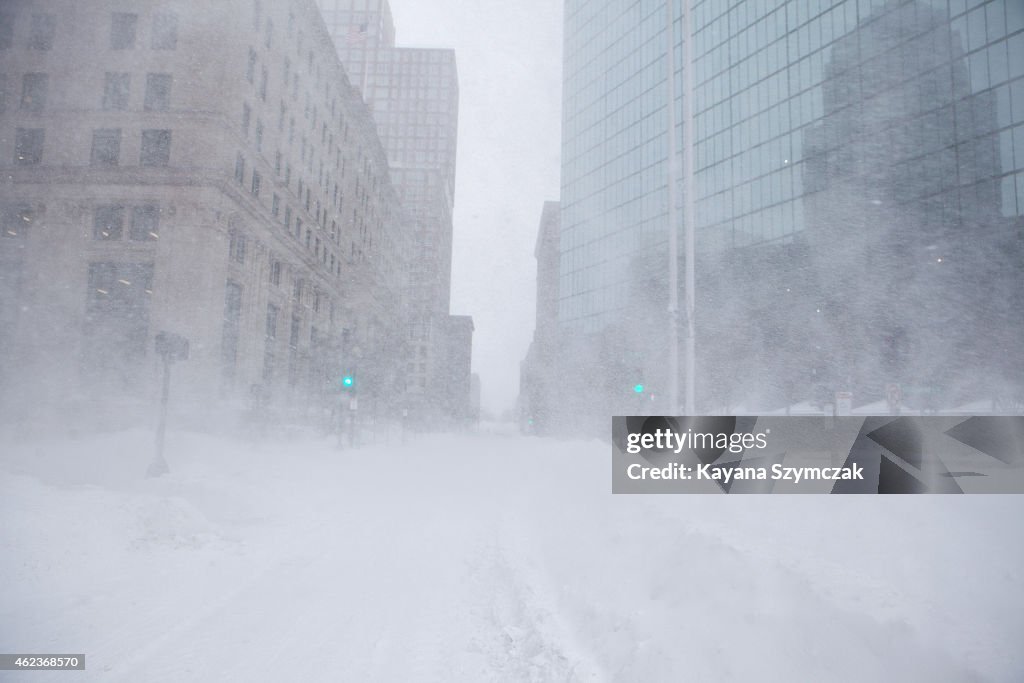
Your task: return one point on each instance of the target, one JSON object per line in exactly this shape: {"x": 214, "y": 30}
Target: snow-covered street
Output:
{"x": 488, "y": 557}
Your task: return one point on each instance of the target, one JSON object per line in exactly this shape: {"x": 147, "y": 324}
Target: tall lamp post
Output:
{"x": 688, "y": 212}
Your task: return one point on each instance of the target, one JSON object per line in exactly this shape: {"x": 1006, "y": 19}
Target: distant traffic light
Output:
{"x": 639, "y": 388}
{"x": 348, "y": 381}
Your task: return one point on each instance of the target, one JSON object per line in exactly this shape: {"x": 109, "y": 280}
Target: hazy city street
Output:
{"x": 487, "y": 557}
{"x": 358, "y": 340}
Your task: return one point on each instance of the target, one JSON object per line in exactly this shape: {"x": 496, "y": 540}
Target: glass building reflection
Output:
{"x": 859, "y": 187}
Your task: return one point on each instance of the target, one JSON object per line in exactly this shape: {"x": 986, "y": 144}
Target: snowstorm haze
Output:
{"x": 241, "y": 299}
{"x": 509, "y": 59}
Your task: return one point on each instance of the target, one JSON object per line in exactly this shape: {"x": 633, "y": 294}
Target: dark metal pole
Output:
{"x": 159, "y": 465}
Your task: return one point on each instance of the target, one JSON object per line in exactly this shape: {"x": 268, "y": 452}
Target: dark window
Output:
{"x": 259, "y": 136}
{"x": 165, "y": 31}
{"x": 122, "y": 30}
{"x": 28, "y": 146}
{"x": 250, "y": 69}
{"x": 236, "y": 247}
{"x": 117, "y": 315}
{"x": 263, "y": 84}
{"x": 116, "y": 88}
{"x": 16, "y": 221}
{"x": 106, "y": 147}
{"x": 287, "y": 218}
{"x": 246, "y": 118}
{"x": 271, "y": 331}
{"x": 256, "y": 180}
{"x": 158, "y": 92}
{"x": 232, "y": 318}
{"x": 108, "y": 222}
{"x": 156, "y": 148}
{"x": 3, "y": 91}
{"x": 275, "y": 273}
{"x": 6, "y": 30}
{"x": 33, "y": 92}
{"x": 145, "y": 223}
{"x": 240, "y": 168}
{"x": 275, "y": 206}
{"x": 44, "y": 28}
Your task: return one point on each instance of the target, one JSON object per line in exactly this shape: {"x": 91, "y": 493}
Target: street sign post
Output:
{"x": 170, "y": 347}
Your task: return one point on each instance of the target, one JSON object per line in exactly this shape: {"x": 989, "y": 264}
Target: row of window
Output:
{"x": 155, "y": 149}
{"x": 40, "y": 31}
{"x": 109, "y": 222}
{"x": 35, "y": 89}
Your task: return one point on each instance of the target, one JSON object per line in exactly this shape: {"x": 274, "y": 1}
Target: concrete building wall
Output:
{"x": 240, "y": 145}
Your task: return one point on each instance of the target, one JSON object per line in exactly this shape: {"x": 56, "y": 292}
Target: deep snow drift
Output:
{"x": 483, "y": 558}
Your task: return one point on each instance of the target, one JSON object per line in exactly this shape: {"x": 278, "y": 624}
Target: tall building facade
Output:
{"x": 204, "y": 170}
{"x": 843, "y": 151}
{"x": 414, "y": 96}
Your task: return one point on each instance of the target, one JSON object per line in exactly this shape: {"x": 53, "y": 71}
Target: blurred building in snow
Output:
{"x": 414, "y": 96}
{"x": 540, "y": 392}
{"x": 200, "y": 168}
{"x": 840, "y": 149}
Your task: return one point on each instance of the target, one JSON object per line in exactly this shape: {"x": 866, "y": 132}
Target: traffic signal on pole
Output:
{"x": 348, "y": 381}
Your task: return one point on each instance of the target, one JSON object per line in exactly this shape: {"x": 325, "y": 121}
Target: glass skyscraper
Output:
{"x": 840, "y": 150}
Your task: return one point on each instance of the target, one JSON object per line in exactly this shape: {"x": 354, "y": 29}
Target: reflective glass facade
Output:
{"x": 781, "y": 93}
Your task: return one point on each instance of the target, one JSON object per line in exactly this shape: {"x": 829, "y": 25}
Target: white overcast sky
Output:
{"x": 510, "y": 71}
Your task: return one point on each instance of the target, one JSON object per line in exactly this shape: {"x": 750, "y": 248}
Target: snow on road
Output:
{"x": 483, "y": 558}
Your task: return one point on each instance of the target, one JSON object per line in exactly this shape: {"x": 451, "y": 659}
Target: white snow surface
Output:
{"x": 487, "y": 557}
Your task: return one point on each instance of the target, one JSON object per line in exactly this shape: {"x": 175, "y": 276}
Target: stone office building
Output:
{"x": 199, "y": 168}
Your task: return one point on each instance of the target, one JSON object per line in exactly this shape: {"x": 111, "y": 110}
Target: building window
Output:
{"x": 116, "y": 88}
{"x": 108, "y": 222}
{"x": 275, "y": 273}
{"x": 165, "y": 31}
{"x": 246, "y": 118}
{"x": 6, "y": 30}
{"x": 288, "y": 218}
{"x": 259, "y": 135}
{"x": 122, "y": 30}
{"x": 240, "y": 168}
{"x": 117, "y": 316}
{"x": 271, "y": 331}
{"x": 232, "y": 319}
{"x": 28, "y": 146}
{"x": 236, "y": 247}
{"x": 256, "y": 180}
{"x": 33, "y": 92}
{"x": 263, "y": 84}
{"x": 16, "y": 221}
{"x": 156, "y": 148}
{"x": 106, "y": 147}
{"x": 3, "y": 91}
{"x": 250, "y": 69}
{"x": 275, "y": 206}
{"x": 44, "y": 28}
{"x": 145, "y": 223}
{"x": 158, "y": 92}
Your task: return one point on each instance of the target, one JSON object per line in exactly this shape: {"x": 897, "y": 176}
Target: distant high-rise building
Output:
{"x": 414, "y": 96}
{"x": 539, "y": 384}
{"x": 204, "y": 169}
{"x": 801, "y": 110}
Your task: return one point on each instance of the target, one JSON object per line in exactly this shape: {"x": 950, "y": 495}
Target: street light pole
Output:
{"x": 689, "y": 210}
{"x": 673, "y": 235}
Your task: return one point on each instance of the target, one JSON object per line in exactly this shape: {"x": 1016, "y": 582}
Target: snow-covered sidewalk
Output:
{"x": 483, "y": 558}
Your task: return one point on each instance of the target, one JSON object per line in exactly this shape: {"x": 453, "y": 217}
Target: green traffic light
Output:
{"x": 348, "y": 381}
{"x": 639, "y": 388}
